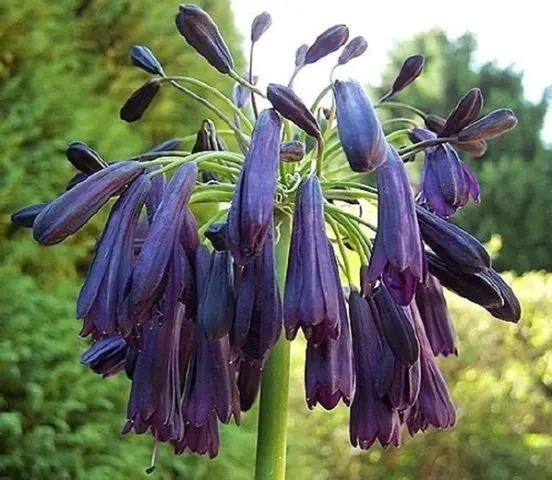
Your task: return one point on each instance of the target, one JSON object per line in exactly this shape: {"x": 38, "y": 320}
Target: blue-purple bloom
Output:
{"x": 106, "y": 356}
{"x": 25, "y": 216}
{"x": 251, "y": 213}
{"x": 327, "y": 42}
{"x": 355, "y": 48}
{"x": 398, "y": 258}
{"x": 142, "y": 57}
{"x": 311, "y": 297}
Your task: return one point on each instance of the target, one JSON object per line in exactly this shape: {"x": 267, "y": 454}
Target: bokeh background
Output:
{"x": 64, "y": 72}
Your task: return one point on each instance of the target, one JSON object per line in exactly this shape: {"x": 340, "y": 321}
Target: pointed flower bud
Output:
{"x": 201, "y": 440}
{"x": 465, "y": 112}
{"x": 328, "y": 366}
{"x": 293, "y": 151}
{"x": 249, "y": 382}
{"x": 476, "y": 148}
{"x": 372, "y": 417}
{"x": 70, "y": 211}
{"x": 300, "y": 55}
{"x": 311, "y": 298}
{"x": 104, "y": 287}
{"x": 258, "y": 318}
{"x": 85, "y": 158}
{"x": 477, "y": 288}
{"x": 397, "y": 327}
{"x": 447, "y": 182}
{"x": 511, "y": 310}
{"x": 359, "y": 129}
{"x": 261, "y": 23}
{"x": 25, "y": 217}
{"x": 453, "y": 244}
{"x": 434, "y": 405}
{"x": 202, "y": 34}
{"x": 327, "y": 42}
{"x": 290, "y": 106}
{"x": 106, "y": 356}
{"x": 410, "y": 70}
{"x": 139, "y": 101}
{"x": 397, "y": 258}
{"x": 493, "y": 125}
{"x": 355, "y": 48}
{"x": 251, "y": 213}
{"x": 142, "y": 57}
{"x": 432, "y": 307}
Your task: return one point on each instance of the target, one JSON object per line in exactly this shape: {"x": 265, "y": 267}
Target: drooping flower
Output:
{"x": 71, "y": 210}
{"x": 360, "y": 131}
{"x": 434, "y": 405}
{"x": 25, "y": 216}
{"x": 372, "y": 417}
{"x": 311, "y": 297}
{"x": 104, "y": 288}
{"x": 106, "y": 356}
{"x": 150, "y": 274}
{"x": 496, "y": 123}
{"x": 511, "y": 309}
{"x": 142, "y": 57}
{"x": 453, "y": 244}
{"x": 201, "y": 440}
{"x": 398, "y": 258}
{"x": 328, "y": 367}
{"x": 410, "y": 70}
{"x": 258, "y": 314}
{"x": 249, "y": 381}
{"x": 202, "y": 33}
{"x": 139, "y": 101}
{"x": 85, "y": 158}
{"x": 447, "y": 182}
{"x": 355, "y": 48}
{"x": 251, "y": 213}
{"x": 435, "y": 123}
{"x": 438, "y": 327}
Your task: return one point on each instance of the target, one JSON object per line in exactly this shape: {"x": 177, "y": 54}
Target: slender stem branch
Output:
{"x": 342, "y": 251}
{"x": 321, "y": 95}
{"x": 403, "y": 106}
{"x": 253, "y": 99}
{"x": 393, "y": 121}
{"x": 418, "y": 147}
{"x": 397, "y": 134}
{"x": 330, "y": 207}
{"x": 319, "y": 156}
{"x": 273, "y": 406}
{"x": 236, "y": 76}
{"x": 293, "y": 75}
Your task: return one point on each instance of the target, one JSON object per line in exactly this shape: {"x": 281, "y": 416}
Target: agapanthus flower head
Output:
{"x": 70, "y": 211}
{"x": 398, "y": 258}
{"x": 452, "y": 243}
{"x": 85, "y": 158}
{"x": 142, "y": 57}
{"x": 447, "y": 182}
{"x": 466, "y": 111}
{"x": 311, "y": 298}
{"x": 355, "y": 48}
{"x": 327, "y": 42}
{"x": 290, "y": 106}
{"x": 251, "y": 213}
{"x": 359, "y": 129}
{"x": 106, "y": 356}
{"x": 372, "y": 417}
{"x": 438, "y": 327}
{"x": 139, "y": 101}
{"x": 261, "y": 23}
{"x": 202, "y": 33}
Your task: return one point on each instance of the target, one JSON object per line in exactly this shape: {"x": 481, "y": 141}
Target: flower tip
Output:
{"x": 261, "y": 23}
{"x": 142, "y": 57}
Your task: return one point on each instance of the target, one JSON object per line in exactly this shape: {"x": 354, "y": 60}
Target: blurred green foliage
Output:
{"x": 63, "y": 74}
{"x": 516, "y": 172}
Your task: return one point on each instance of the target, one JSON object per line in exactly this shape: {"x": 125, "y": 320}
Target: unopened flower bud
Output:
{"x": 202, "y": 33}
{"x": 142, "y": 57}
{"x": 300, "y": 55}
{"x": 410, "y": 70}
{"x": 355, "y": 48}
{"x": 139, "y": 101}
{"x": 490, "y": 126}
{"x": 25, "y": 217}
{"x": 84, "y": 158}
{"x": 292, "y": 151}
{"x": 261, "y": 23}
{"x": 327, "y": 42}
{"x": 465, "y": 112}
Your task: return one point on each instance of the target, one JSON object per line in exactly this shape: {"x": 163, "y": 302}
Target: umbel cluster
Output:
{"x": 191, "y": 312}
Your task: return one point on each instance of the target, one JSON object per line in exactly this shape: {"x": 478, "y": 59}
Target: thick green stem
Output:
{"x": 273, "y": 408}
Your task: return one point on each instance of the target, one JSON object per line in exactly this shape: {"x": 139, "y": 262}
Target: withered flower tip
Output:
{"x": 142, "y": 57}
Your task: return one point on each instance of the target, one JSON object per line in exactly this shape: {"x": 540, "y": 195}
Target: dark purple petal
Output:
{"x": 293, "y": 151}
{"x": 203, "y": 439}
{"x": 202, "y": 34}
{"x": 511, "y": 310}
{"x": 139, "y": 101}
{"x": 410, "y": 70}
{"x": 465, "y": 112}
{"x": 372, "y": 417}
{"x": 432, "y": 307}
{"x": 251, "y": 213}
{"x": 25, "y": 216}
{"x": 496, "y": 123}
{"x": 311, "y": 298}
{"x": 327, "y": 42}
{"x": 359, "y": 129}
{"x": 106, "y": 356}
{"x": 249, "y": 382}
{"x": 290, "y": 106}
{"x": 70, "y": 211}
